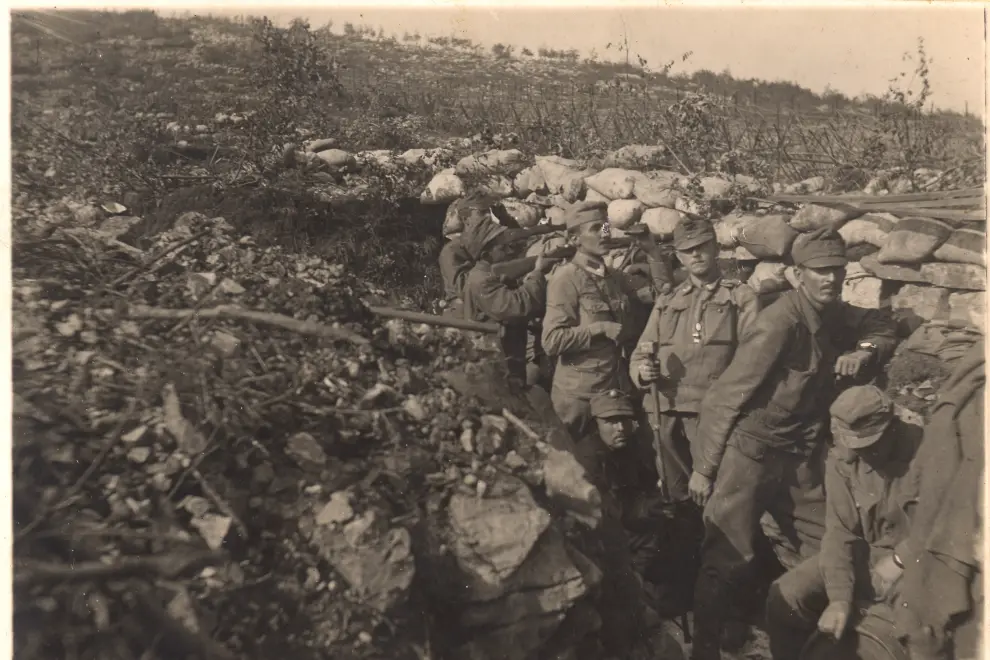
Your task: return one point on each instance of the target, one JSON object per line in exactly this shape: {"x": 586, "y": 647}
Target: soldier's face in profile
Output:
{"x": 822, "y": 285}
{"x": 699, "y": 260}
{"x": 590, "y": 239}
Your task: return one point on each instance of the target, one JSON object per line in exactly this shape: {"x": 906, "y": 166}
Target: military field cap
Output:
{"x": 692, "y": 232}
{"x": 611, "y": 404}
{"x": 822, "y": 248}
{"x": 583, "y": 213}
{"x": 860, "y": 415}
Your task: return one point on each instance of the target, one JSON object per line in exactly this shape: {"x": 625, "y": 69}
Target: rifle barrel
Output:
{"x": 433, "y": 319}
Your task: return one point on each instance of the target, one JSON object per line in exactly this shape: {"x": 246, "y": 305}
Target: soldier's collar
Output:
{"x": 688, "y": 285}
{"x": 589, "y": 263}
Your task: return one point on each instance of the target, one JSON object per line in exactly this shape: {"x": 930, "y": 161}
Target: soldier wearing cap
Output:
{"x": 689, "y": 340}
{"x": 763, "y": 422}
{"x": 871, "y": 490}
{"x": 487, "y": 297}
{"x": 588, "y": 331}
{"x": 455, "y": 259}
{"x": 587, "y": 327}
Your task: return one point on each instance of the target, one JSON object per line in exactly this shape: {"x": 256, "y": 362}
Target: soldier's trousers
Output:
{"x": 752, "y": 479}
{"x": 796, "y": 602}
{"x": 677, "y": 433}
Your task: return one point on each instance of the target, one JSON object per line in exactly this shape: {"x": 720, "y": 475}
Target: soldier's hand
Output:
{"x": 649, "y": 372}
{"x": 609, "y": 329}
{"x": 884, "y": 575}
{"x": 834, "y": 619}
{"x": 850, "y": 364}
{"x": 699, "y": 488}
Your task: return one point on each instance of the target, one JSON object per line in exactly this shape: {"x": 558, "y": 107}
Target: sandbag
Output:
{"x": 715, "y": 187}
{"x": 337, "y": 158}
{"x": 813, "y": 216}
{"x": 530, "y": 181}
{"x": 637, "y": 157}
{"x": 661, "y": 221}
{"x": 443, "y": 188}
{"x": 624, "y": 212}
{"x": 563, "y": 176}
{"x": 767, "y": 237}
{"x": 613, "y": 183}
{"x": 971, "y": 277}
{"x": 969, "y": 307}
{"x": 769, "y": 277}
{"x": 965, "y": 246}
{"x": 526, "y": 215}
{"x": 872, "y": 229}
{"x": 659, "y": 189}
{"x": 728, "y": 228}
{"x": 914, "y": 240}
{"x": 508, "y": 162}
{"x": 593, "y": 196}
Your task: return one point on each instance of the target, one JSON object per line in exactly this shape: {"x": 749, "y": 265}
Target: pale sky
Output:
{"x": 854, "y": 49}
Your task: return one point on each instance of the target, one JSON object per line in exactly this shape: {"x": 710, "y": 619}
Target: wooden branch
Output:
{"x": 521, "y": 425}
{"x": 233, "y": 313}
{"x": 170, "y": 566}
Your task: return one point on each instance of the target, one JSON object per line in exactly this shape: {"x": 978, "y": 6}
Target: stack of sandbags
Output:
{"x": 918, "y": 266}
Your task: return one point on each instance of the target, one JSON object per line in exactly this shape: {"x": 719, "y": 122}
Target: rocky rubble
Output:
{"x": 329, "y": 457}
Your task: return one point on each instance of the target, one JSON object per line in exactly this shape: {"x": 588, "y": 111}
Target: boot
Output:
{"x": 709, "y": 618}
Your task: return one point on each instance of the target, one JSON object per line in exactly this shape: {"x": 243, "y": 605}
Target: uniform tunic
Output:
{"x": 696, "y": 329}
{"x": 866, "y": 520}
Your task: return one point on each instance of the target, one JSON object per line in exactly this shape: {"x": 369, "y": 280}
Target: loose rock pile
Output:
{"x": 245, "y": 399}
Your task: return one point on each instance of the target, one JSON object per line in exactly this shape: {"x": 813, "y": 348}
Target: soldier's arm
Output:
{"x": 748, "y": 304}
{"x": 756, "y": 356}
{"x": 660, "y": 271}
{"x": 842, "y": 532}
{"x": 561, "y": 333}
{"x": 642, "y": 294}
{"x": 452, "y": 269}
{"x": 639, "y": 354}
{"x": 876, "y": 327}
{"x": 503, "y": 303}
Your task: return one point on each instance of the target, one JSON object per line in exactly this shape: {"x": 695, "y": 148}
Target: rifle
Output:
{"x": 651, "y": 349}
{"x": 538, "y": 230}
{"x": 516, "y": 268}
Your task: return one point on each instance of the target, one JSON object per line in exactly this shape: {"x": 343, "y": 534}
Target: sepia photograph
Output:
{"x": 498, "y": 331}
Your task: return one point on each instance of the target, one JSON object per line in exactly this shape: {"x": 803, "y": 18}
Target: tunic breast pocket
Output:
{"x": 720, "y": 324}
{"x": 670, "y": 318}
{"x": 595, "y": 310}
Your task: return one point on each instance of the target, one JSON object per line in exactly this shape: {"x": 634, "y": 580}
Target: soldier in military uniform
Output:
{"x": 690, "y": 338}
{"x": 588, "y": 329}
{"x": 766, "y": 417}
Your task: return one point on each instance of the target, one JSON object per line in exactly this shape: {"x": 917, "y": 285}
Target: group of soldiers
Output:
{"x": 690, "y": 400}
